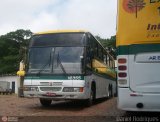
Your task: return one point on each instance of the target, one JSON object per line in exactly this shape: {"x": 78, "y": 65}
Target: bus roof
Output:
{"x": 59, "y": 31}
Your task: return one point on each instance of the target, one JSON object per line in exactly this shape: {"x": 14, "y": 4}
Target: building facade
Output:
{"x": 13, "y": 82}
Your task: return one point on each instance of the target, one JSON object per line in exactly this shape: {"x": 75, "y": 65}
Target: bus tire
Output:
{"x": 110, "y": 93}
{"x": 89, "y": 102}
{"x": 111, "y": 90}
{"x": 45, "y": 102}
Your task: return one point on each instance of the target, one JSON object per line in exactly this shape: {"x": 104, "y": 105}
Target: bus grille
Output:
{"x": 50, "y": 83}
{"x": 50, "y": 88}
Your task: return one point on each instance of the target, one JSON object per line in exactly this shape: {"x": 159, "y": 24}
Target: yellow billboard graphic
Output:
{"x": 133, "y": 6}
{"x": 138, "y": 22}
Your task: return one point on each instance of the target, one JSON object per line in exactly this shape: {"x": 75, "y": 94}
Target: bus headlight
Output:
{"x": 34, "y": 89}
{"x": 30, "y": 89}
{"x": 72, "y": 89}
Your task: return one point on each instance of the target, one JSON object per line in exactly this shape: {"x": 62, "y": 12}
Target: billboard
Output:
{"x": 138, "y": 22}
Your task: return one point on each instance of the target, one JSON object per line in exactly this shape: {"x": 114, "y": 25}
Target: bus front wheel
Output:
{"x": 45, "y": 102}
{"x": 89, "y": 102}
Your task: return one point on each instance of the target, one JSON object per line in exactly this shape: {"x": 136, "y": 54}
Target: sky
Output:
{"x": 95, "y": 16}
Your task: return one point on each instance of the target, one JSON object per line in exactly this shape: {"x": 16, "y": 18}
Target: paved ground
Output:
{"x": 30, "y": 110}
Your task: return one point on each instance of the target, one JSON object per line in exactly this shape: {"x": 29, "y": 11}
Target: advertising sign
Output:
{"x": 138, "y": 22}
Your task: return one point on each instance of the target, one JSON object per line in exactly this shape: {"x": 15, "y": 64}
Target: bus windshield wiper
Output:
{"x": 62, "y": 67}
{"x": 44, "y": 66}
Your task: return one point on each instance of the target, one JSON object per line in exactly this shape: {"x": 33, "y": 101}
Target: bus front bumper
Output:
{"x": 56, "y": 95}
{"x": 133, "y": 101}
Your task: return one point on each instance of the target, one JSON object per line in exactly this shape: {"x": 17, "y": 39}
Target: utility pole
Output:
{"x": 21, "y": 74}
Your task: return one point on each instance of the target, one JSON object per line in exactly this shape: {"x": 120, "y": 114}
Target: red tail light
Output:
{"x": 122, "y": 68}
{"x": 122, "y": 74}
{"x": 122, "y": 61}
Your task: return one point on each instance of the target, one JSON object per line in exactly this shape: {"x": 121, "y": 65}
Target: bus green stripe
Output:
{"x": 137, "y": 48}
{"x": 65, "y": 77}
{"x": 42, "y": 77}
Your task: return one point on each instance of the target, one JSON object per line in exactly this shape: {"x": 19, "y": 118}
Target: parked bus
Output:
{"x": 138, "y": 44}
{"x": 68, "y": 65}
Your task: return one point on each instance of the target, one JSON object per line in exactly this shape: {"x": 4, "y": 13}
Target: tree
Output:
{"x": 109, "y": 44}
{"x": 13, "y": 45}
{"x": 136, "y": 5}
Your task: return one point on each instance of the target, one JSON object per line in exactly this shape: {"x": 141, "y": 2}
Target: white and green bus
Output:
{"x": 138, "y": 45}
{"x": 68, "y": 65}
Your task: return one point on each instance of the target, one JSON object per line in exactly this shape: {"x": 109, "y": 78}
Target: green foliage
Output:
{"x": 13, "y": 47}
{"x": 109, "y": 44}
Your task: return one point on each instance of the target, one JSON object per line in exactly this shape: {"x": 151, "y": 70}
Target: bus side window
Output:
{"x": 89, "y": 54}
{"x": 94, "y": 47}
{"x": 104, "y": 59}
{"x": 107, "y": 60}
{"x": 100, "y": 53}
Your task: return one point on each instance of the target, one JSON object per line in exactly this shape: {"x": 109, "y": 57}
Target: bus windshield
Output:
{"x": 56, "y": 60}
